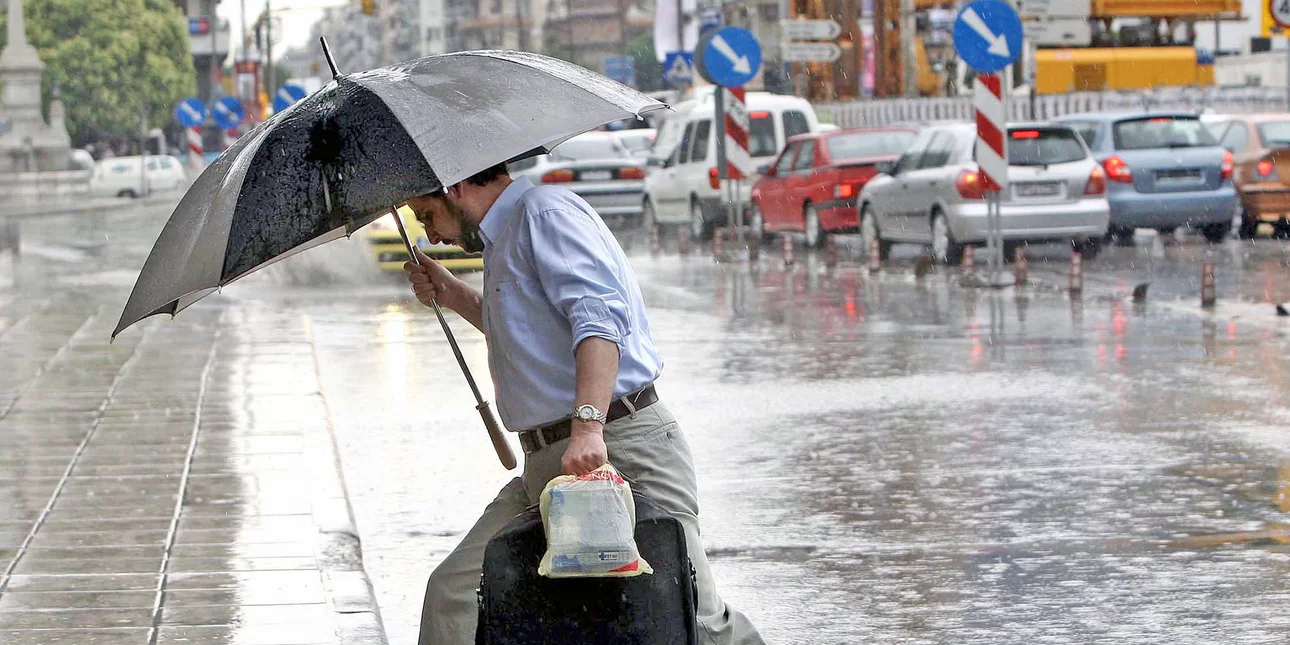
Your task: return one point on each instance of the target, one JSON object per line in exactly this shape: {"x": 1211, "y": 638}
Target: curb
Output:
{"x": 89, "y": 205}
{"x": 338, "y": 549}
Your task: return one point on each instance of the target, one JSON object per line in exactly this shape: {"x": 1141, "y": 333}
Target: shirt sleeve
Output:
{"x": 576, "y": 268}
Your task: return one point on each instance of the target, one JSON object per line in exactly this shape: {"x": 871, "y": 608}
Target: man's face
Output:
{"x": 440, "y": 217}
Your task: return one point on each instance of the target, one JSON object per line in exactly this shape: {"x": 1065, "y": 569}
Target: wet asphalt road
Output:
{"x": 881, "y": 458}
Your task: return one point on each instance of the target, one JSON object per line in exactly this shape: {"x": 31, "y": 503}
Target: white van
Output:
{"x": 678, "y": 187}
{"x": 126, "y": 176}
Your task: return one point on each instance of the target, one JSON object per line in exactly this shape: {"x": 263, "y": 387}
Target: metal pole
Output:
{"x": 908, "y": 47}
{"x": 723, "y": 168}
{"x": 271, "y": 75}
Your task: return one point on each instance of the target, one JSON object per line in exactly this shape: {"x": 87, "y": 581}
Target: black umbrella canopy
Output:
{"x": 366, "y": 142}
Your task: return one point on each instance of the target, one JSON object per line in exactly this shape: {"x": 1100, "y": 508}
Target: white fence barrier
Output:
{"x": 1220, "y": 100}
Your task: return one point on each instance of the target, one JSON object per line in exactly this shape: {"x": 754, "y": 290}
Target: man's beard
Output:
{"x": 470, "y": 239}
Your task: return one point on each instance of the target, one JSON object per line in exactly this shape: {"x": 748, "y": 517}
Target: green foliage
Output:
{"x": 649, "y": 72}
{"x": 111, "y": 59}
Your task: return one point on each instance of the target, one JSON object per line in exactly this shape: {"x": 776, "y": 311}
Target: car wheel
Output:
{"x": 815, "y": 234}
{"x": 1087, "y": 249}
{"x": 700, "y": 227}
{"x": 1216, "y": 233}
{"x": 869, "y": 232}
{"x": 944, "y": 248}
{"x": 756, "y": 224}
{"x": 1248, "y": 225}
{"x": 128, "y": 192}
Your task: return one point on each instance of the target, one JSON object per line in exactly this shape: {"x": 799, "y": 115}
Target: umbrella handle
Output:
{"x": 494, "y": 428}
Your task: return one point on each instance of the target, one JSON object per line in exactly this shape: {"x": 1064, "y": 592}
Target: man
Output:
{"x": 573, "y": 364}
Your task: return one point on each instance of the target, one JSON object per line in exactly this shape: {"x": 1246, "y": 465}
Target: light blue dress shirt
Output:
{"x": 554, "y": 276}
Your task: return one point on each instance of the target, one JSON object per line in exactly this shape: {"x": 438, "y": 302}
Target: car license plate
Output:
{"x": 597, "y": 175}
{"x": 1177, "y": 176}
{"x": 1037, "y": 190}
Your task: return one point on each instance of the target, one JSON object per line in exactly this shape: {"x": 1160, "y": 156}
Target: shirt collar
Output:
{"x": 500, "y": 211}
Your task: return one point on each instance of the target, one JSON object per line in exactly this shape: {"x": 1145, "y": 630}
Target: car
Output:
{"x": 682, "y": 188}
{"x": 387, "y": 248}
{"x": 1260, "y": 145}
{"x": 596, "y": 167}
{"x": 137, "y": 176}
{"x": 1164, "y": 170}
{"x": 812, "y": 187}
{"x": 637, "y": 142}
{"x": 935, "y": 195}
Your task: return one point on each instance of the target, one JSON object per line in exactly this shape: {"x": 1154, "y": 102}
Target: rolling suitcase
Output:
{"x": 519, "y": 607}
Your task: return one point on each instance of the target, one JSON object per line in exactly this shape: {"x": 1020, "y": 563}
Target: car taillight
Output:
{"x": 631, "y": 172}
{"x": 714, "y": 179}
{"x": 970, "y": 184}
{"x": 557, "y": 176}
{"x": 844, "y": 191}
{"x": 1118, "y": 170}
{"x": 1096, "y": 182}
{"x": 1228, "y": 163}
{"x": 1265, "y": 169}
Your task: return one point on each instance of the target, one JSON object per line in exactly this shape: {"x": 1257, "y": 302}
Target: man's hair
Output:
{"x": 489, "y": 175}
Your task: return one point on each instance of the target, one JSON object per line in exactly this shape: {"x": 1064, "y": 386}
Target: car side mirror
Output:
{"x": 887, "y": 168}
{"x": 767, "y": 170}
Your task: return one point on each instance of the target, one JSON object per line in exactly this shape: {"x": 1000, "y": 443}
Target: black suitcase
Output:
{"x": 519, "y": 607}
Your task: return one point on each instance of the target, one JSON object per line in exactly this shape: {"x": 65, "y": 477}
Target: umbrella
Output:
{"x": 345, "y": 155}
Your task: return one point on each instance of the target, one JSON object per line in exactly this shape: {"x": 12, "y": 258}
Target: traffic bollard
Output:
{"x": 654, "y": 243}
{"x": 830, "y": 252}
{"x": 718, "y": 244}
{"x": 875, "y": 255}
{"x": 969, "y": 262}
{"x": 1077, "y": 273}
{"x": 1020, "y": 266}
{"x": 788, "y": 250}
{"x": 754, "y": 249}
{"x": 683, "y": 241}
{"x": 1208, "y": 285}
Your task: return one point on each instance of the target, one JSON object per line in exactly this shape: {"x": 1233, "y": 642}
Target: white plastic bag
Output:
{"x": 590, "y": 524}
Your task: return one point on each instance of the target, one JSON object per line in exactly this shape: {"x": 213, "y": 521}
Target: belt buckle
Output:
{"x": 539, "y": 438}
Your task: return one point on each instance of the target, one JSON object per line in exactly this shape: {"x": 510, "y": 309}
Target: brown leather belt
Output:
{"x": 539, "y": 438}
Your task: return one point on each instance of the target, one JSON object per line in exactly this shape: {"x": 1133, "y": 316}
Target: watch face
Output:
{"x": 586, "y": 413}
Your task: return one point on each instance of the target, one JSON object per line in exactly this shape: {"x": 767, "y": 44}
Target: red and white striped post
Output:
{"x": 1076, "y": 284}
{"x": 195, "y": 160}
{"x": 992, "y": 160}
{"x": 1208, "y": 285}
{"x": 734, "y": 164}
{"x": 875, "y": 255}
{"x": 788, "y": 250}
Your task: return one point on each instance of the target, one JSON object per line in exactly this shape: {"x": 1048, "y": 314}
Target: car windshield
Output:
{"x": 1043, "y": 146}
{"x": 1162, "y": 132}
{"x": 1275, "y": 134}
{"x": 669, "y": 137}
{"x": 587, "y": 148}
{"x": 761, "y": 135}
{"x": 857, "y": 145}
{"x": 636, "y": 142}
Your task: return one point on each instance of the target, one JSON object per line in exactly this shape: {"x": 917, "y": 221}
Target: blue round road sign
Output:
{"x": 228, "y": 112}
{"x": 287, "y": 96}
{"x": 987, "y": 35}
{"x": 190, "y": 112}
{"x": 729, "y": 56}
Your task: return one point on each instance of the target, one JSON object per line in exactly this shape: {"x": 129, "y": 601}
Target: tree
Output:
{"x": 649, "y": 72}
{"x": 111, "y": 59}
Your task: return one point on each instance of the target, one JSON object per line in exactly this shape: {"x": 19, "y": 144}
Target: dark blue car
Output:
{"x": 1163, "y": 170}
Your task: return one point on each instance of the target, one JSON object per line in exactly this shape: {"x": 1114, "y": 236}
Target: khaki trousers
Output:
{"x": 650, "y": 451}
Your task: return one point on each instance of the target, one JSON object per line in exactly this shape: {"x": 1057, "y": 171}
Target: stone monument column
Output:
{"x": 29, "y": 136}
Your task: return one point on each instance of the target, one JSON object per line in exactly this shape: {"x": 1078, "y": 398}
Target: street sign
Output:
{"x": 199, "y": 26}
{"x": 678, "y": 67}
{"x": 288, "y": 95}
{"x": 1055, "y": 8}
{"x": 991, "y": 124}
{"x": 1280, "y": 12}
{"x": 988, "y": 36}
{"x": 738, "y": 163}
{"x": 1059, "y": 32}
{"x": 729, "y": 57}
{"x": 621, "y": 69}
{"x": 228, "y": 112}
{"x": 709, "y": 20}
{"x": 190, "y": 112}
{"x": 810, "y": 52}
{"x": 811, "y": 29}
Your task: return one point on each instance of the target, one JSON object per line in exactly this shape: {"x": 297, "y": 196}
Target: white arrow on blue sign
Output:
{"x": 228, "y": 112}
{"x": 678, "y": 67}
{"x": 988, "y": 35}
{"x": 287, "y": 96}
{"x": 729, "y": 57}
{"x": 190, "y": 112}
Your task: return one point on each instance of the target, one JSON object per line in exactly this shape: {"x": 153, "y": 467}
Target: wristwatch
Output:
{"x": 586, "y": 413}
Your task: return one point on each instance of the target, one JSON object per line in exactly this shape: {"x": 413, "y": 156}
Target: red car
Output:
{"x": 813, "y": 185}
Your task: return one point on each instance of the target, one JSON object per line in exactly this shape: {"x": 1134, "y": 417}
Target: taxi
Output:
{"x": 387, "y": 248}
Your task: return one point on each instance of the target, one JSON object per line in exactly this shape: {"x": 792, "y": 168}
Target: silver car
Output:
{"x": 596, "y": 167}
{"x": 934, "y": 194}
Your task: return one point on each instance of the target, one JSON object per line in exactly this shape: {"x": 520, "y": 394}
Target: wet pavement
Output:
{"x": 881, "y": 458}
